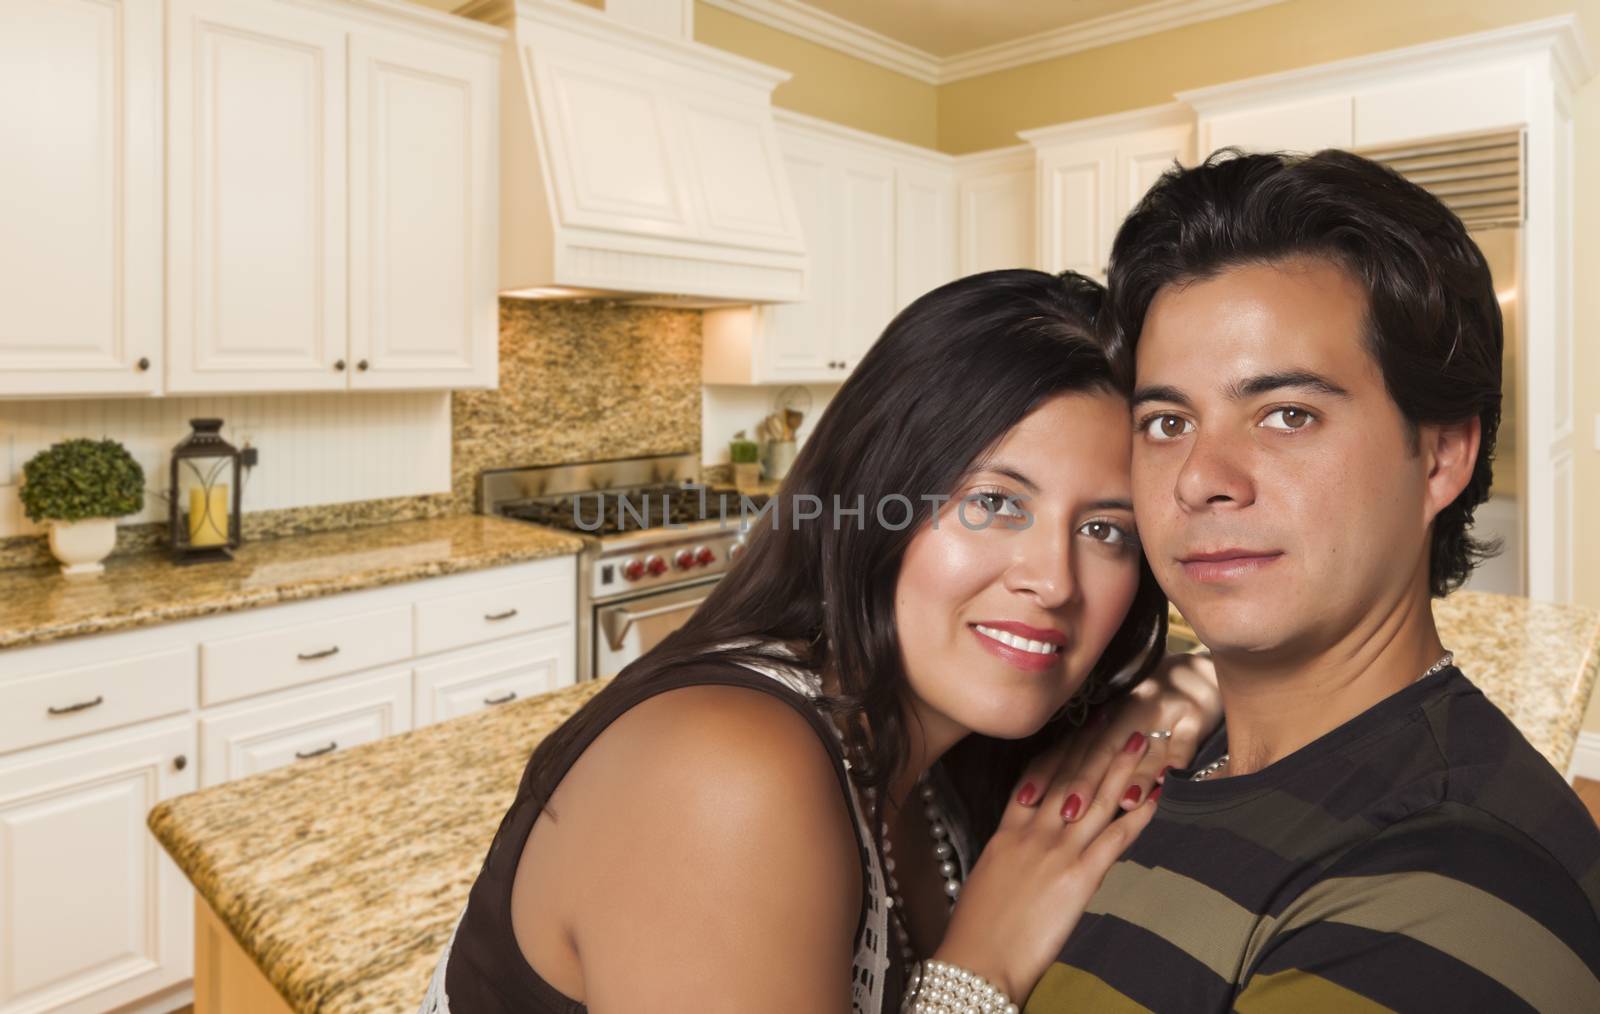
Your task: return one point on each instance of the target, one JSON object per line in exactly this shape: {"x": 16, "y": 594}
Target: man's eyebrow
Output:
{"x": 1160, "y": 392}
{"x": 1265, "y": 383}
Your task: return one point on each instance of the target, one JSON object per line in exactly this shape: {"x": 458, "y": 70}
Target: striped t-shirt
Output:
{"x": 1421, "y": 857}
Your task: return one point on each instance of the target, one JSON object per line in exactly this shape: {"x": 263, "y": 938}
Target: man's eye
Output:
{"x": 1287, "y": 419}
{"x": 1166, "y": 427}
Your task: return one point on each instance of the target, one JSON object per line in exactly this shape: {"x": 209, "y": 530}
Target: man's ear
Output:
{"x": 1450, "y": 452}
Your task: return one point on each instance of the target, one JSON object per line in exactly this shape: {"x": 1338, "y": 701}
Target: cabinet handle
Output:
{"x": 511, "y": 695}
{"x": 180, "y": 762}
{"x": 143, "y": 364}
{"x": 80, "y": 706}
{"x": 362, "y": 365}
{"x": 313, "y": 656}
{"x": 318, "y": 752}
{"x": 500, "y": 616}
{"x": 339, "y": 365}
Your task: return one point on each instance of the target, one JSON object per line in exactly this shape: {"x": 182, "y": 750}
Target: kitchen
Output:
{"x": 468, "y": 275}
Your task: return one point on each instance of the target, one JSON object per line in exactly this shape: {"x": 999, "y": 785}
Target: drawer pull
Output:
{"x": 500, "y": 616}
{"x": 80, "y": 706}
{"x": 318, "y": 752}
{"x": 313, "y": 656}
{"x": 511, "y": 695}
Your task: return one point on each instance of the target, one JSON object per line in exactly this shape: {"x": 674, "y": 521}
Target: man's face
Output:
{"x": 1278, "y": 490}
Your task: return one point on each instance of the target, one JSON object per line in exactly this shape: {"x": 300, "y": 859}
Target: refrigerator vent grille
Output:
{"x": 1479, "y": 177}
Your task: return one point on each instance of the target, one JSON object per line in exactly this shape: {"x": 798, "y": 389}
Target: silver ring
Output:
{"x": 1160, "y": 734}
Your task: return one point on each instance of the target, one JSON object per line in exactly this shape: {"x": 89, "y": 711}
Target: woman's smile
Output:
{"x": 1009, "y": 640}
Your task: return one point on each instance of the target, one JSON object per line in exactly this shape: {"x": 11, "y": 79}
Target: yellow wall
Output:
{"x": 828, "y": 84}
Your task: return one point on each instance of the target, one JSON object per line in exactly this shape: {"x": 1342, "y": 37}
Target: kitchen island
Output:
{"x": 338, "y": 880}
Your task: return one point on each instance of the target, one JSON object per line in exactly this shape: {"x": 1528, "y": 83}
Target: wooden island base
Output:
{"x": 225, "y": 979}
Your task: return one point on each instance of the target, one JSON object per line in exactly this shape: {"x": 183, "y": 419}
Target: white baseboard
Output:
{"x": 1586, "y": 757}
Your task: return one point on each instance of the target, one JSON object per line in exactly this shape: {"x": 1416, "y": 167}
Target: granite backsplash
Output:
{"x": 577, "y": 379}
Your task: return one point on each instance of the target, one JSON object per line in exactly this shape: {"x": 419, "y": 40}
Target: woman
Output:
{"x": 774, "y": 810}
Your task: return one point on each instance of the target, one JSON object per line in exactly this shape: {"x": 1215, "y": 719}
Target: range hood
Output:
{"x": 636, "y": 164}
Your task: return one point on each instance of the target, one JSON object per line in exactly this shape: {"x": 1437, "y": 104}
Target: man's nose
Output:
{"x": 1215, "y": 474}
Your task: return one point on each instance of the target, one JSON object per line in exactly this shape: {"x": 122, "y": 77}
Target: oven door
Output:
{"x": 623, "y": 631}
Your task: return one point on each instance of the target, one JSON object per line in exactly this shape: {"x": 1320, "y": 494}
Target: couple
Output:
{"x": 927, "y": 763}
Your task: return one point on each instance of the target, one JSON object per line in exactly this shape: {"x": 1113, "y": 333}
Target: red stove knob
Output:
{"x": 683, "y": 560}
{"x": 633, "y": 570}
{"x": 704, "y": 556}
{"x": 655, "y": 565}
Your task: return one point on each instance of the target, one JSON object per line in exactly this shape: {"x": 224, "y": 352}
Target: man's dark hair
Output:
{"x": 1433, "y": 320}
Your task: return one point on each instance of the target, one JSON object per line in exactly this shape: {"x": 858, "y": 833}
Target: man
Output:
{"x": 1316, "y": 345}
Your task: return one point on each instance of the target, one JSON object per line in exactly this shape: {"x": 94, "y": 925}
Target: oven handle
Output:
{"x": 616, "y": 620}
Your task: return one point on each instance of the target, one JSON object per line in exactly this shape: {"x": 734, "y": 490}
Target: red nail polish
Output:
{"x": 1132, "y": 795}
{"x": 1155, "y": 794}
{"x": 1025, "y": 797}
{"x": 1135, "y": 743}
{"x": 1069, "y": 809}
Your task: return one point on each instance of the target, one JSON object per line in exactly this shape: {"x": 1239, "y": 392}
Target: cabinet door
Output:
{"x": 1076, "y": 200}
{"x": 866, "y": 257}
{"x": 794, "y": 341}
{"x": 257, "y": 254}
{"x": 997, "y": 221}
{"x": 80, "y": 247}
{"x": 925, "y": 231}
{"x": 96, "y": 913}
{"x": 250, "y": 739}
{"x": 1141, "y": 159}
{"x": 486, "y": 677}
{"x": 423, "y": 254}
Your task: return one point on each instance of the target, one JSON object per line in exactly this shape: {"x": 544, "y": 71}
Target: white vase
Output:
{"x": 81, "y": 545}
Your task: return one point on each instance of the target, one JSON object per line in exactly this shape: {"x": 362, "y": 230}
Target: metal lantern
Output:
{"x": 204, "y": 501}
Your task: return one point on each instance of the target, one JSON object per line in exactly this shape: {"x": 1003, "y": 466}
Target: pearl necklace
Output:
{"x": 943, "y": 852}
{"x": 1221, "y": 762}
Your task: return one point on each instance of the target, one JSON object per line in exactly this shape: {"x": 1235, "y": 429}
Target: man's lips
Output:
{"x": 1227, "y": 564}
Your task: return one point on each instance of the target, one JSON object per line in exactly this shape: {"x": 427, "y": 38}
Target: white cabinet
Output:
{"x": 259, "y": 736}
{"x": 1091, "y": 174}
{"x": 1299, "y": 124}
{"x": 996, "y": 225}
{"x": 485, "y": 677}
{"x": 423, "y": 253}
{"x": 333, "y": 221}
{"x": 257, "y": 258}
{"x": 879, "y": 226}
{"x": 80, "y": 248}
{"x": 96, "y": 914}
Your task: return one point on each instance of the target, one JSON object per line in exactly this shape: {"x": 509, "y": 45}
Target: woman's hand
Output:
{"x": 1180, "y": 696}
{"x": 1036, "y": 874}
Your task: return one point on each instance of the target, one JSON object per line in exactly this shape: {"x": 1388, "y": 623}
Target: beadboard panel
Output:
{"x": 336, "y": 447}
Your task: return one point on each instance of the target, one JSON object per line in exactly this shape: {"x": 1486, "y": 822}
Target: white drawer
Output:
{"x": 89, "y": 698}
{"x": 495, "y": 674}
{"x": 249, "y": 739}
{"x": 268, "y": 660}
{"x": 454, "y": 621}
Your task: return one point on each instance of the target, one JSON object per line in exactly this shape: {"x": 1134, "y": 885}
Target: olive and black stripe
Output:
{"x": 1421, "y": 857}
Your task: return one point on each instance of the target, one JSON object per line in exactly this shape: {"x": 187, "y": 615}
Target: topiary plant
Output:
{"x": 79, "y": 479}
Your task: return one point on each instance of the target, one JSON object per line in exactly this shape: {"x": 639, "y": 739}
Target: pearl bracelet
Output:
{"x": 940, "y": 988}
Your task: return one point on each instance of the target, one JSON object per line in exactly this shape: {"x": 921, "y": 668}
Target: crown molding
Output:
{"x": 815, "y": 25}
{"x": 797, "y": 18}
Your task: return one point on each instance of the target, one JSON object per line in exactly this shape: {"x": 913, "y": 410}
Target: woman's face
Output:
{"x": 1000, "y": 618}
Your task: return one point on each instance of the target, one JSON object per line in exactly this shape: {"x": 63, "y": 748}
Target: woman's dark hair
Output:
{"x": 950, "y": 376}
{"x": 1433, "y": 320}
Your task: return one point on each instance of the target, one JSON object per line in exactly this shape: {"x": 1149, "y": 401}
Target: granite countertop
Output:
{"x": 1537, "y": 661}
{"x": 342, "y": 876}
{"x": 345, "y": 895}
{"x": 38, "y": 604}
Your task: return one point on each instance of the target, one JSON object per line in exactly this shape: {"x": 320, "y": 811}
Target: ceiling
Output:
{"x": 947, "y": 27}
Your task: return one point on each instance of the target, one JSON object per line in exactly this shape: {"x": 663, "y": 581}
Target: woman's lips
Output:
{"x": 1022, "y": 658}
{"x": 1227, "y": 564}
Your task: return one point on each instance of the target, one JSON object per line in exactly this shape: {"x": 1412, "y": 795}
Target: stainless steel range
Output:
{"x": 655, "y": 542}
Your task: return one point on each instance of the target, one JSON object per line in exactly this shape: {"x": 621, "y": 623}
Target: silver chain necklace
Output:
{"x": 1221, "y": 762}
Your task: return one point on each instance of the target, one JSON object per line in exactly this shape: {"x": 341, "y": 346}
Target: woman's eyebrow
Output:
{"x": 1110, "y": 505}
{"x": 1000, "y": 468}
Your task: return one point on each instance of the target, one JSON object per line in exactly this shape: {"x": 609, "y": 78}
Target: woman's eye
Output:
{"x": 997, "y": 504}
{"x": 1105, "y": 531}
{"x": 1288, "y": 419}
{"x": 1166, "y": 427}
